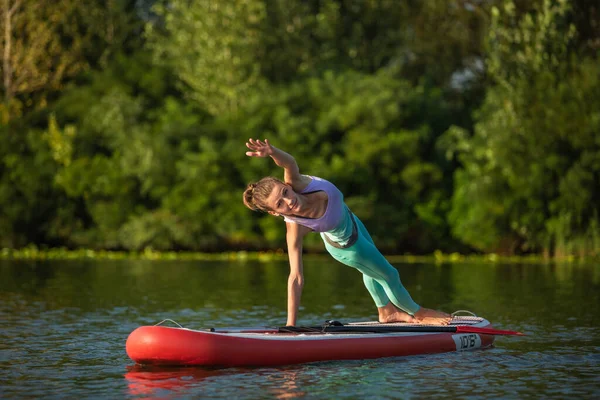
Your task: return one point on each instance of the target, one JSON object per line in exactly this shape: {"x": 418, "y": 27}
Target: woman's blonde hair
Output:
{"x": 255, "y": 195}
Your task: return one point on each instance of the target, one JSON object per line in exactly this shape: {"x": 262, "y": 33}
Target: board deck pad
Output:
{"x": 456, "y": 321}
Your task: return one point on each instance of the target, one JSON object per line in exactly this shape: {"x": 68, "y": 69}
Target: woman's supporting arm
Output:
{"x": 295, "y": 238}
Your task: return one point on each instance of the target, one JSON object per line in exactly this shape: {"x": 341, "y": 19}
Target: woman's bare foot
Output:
{"x": 390, "y": 313}
{"x": 427, "y": 316}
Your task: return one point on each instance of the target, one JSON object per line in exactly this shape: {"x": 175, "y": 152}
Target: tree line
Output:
{"x": 456, "y": 126}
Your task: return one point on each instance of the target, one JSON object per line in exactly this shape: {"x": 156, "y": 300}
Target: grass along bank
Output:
{"x": 33, "y": 253}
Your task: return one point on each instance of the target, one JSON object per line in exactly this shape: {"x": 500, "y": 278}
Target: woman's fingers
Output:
{"x": 259, "y": 147}
{"x": 259, "y": 142}
{"x": 253, "y": 143}
{"x": 252, "y": 146}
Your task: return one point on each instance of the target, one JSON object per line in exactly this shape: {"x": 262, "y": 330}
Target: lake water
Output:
{"x": 65, "y": 323}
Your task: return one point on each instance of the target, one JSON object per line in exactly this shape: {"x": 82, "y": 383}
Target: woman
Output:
{"x": 310, "y": 204}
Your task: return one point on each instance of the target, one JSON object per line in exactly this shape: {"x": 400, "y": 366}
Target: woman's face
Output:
{"x": 283, "y": 200}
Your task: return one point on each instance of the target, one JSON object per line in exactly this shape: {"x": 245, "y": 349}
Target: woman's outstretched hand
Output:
{"x": 259, "y": 148}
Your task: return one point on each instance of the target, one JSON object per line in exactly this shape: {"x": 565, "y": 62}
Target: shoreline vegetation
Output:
{"x": 460, "y": 127}
{"x": 36, "y": 254}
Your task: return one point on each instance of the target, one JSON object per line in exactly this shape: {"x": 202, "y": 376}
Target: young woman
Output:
{"x": 308, "y": 204}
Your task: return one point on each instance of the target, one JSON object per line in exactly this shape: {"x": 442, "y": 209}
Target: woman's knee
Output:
{"x": 391, "y": 274}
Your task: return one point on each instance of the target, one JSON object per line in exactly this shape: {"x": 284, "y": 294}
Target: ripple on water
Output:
{"x": 54, "y": 345}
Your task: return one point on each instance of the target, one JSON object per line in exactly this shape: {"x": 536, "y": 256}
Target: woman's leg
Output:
{"x": 367, "y": 259}
{"x": 385, "y": 308}
{"x": 382, "y": 280}
{"x": 387, "y": 311}
{"x": 362, "y": 229}
{"x": 376, "y": 290}
{"x": 380, "y": 277}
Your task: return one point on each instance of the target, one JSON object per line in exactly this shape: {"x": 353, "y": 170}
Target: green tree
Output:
{"x": 211, "y": 47}
{"x": 47, "y": 48}
{"x": 26, "y": 194}
{"x": 225, "y": 51}
{"x": 530, "y": 174}
{"x": 125, "y": 143}
{"x": 45, "y": 43}
{"x": 241, "y": 61}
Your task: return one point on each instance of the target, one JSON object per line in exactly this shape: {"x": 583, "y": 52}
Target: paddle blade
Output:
{"x": 486, "y": 331}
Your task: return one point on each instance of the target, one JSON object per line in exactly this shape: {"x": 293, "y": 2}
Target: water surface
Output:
{"x": 64, "y": 326}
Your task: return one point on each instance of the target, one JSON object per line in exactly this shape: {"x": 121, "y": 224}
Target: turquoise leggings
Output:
{"x": 380, "y": 277}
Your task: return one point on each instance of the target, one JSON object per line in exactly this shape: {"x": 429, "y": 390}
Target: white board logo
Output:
{"x": 467, "y": 341}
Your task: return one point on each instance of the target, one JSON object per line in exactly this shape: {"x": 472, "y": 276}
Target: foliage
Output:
{"x": 531, "y": 172}
{"x": 46, "y": 43}
{"x": 211, "y": 46}
{"x": 26, "y": 194}
{"x": 448, "y": 125}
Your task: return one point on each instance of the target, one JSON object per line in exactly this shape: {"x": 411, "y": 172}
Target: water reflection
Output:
{"x": 154, "y": 381}
{"x": 286, "y": 385}
{"x": 165, "y": 381}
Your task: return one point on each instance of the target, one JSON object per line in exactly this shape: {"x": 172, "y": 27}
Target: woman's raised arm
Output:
{"x": 291, "y": 172}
